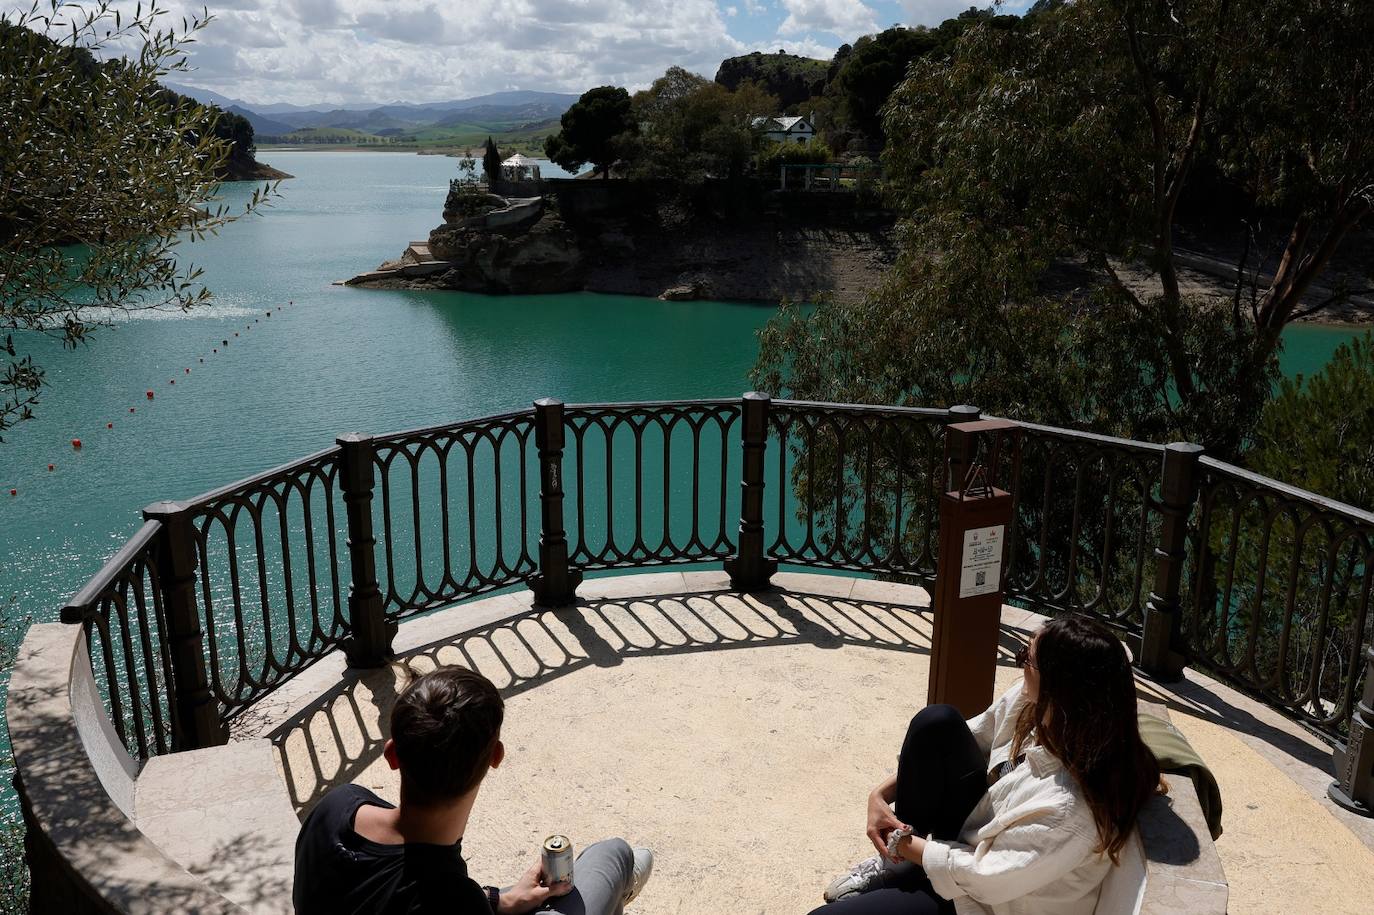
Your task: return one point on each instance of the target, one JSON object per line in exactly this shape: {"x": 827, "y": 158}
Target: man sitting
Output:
{"x": 358, "y": 854}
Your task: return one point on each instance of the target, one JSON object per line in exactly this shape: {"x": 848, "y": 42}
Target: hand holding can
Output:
{"x": 556, "y": 858}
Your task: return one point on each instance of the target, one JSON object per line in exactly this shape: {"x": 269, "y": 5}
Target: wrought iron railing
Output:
{"x": 855, "y": 487}
{"x": 651, "y": 484}
{"x": 122, "y": 613}
{"x": 267, "y": 576}
{"x": 1279, "y": 594}
{"x": 1085, "y": 524}
{"x": 453, "y": 510}
{"x": 217, "y": 601}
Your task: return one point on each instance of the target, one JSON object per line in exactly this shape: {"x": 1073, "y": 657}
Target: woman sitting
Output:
{"x": 1020, "y": 811}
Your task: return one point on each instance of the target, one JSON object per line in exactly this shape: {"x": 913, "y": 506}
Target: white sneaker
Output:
{"x": 869, "y": 874}
{"x": 644, "y": 866}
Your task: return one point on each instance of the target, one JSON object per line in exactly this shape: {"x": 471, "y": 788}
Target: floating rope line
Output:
{"x": 76, "y": 443}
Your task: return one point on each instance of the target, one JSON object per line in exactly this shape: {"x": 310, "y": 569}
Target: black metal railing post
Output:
{"x": 369, "y": 641}
{"x": 197, "y": 719}
{"x": 1161, "y": 654}
{"x": 1353, "y": 788}
{"x": 556, "y": 583}
{"x": 749, "y": 568}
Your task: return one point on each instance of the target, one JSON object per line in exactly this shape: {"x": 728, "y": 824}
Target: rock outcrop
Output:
{"x": 792, "y": 79}
{"x": 543, "y": 256}
{"x": 651, "y": 240}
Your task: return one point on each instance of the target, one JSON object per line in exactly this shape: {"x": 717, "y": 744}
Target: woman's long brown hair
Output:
{"x": 1085, "y": 714}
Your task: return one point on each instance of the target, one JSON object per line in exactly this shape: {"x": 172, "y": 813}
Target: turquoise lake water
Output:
{"x": 335, "y": 361}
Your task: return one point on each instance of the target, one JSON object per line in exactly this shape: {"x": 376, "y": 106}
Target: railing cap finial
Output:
{"x": 161, "y": 511}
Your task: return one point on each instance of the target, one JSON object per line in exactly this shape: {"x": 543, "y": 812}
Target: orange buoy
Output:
{"x": 150, "y": 395}
{"x": 14, "y": 492}
{"x": 109, "y": 425}
{"x": 51, "y": 467}
{"x": 76, "y": 443}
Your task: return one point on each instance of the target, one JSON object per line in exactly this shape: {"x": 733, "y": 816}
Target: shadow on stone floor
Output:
{"x": 339, "y": 734}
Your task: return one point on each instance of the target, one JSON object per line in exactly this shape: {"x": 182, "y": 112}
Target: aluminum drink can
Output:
{"x": 557, "y": 860}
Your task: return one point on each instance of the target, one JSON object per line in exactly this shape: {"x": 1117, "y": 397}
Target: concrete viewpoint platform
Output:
{"x": 735, "y": 734}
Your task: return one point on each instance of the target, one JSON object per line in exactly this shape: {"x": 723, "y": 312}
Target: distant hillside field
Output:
{"x": 517, "y": 120}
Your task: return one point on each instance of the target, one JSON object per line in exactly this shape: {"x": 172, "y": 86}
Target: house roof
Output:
{"x": 785, "y": 124}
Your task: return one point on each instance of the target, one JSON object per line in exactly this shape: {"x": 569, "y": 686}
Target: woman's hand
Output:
{"x": 913, "y": 849}
{"x": 529, "y": 894}
{"x": 881, "y": 821}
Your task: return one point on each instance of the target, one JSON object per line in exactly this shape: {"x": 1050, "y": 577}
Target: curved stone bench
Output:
{"x": 76, "y": 787}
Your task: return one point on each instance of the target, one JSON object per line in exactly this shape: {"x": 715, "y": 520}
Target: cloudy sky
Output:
{"x": 351, "y": 51}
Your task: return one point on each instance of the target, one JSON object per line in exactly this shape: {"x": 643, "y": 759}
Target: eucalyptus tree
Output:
{"x": 1040, "y": 174}
{"x": 1071, "y": 144}
{"x": 103, "y": 174}
{"x": 691, "y": 128}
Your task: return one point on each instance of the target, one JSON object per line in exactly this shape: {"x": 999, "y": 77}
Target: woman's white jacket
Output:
{"x": 1030, "y": 846}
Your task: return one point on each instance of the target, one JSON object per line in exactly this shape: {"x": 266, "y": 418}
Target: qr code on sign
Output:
{"x": 980, "y": 578}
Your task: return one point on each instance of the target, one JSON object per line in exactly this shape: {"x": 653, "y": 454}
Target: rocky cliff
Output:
{"x": 791, "y": 78}
{"x": 619, "y": 237}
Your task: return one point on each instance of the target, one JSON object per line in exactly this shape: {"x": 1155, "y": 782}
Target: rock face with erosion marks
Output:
{"x": 717, "y": 241}
{"x": 538, "y": 257}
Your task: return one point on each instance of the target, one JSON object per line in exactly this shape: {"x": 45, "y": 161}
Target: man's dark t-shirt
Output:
{"x": 339, "y": 871}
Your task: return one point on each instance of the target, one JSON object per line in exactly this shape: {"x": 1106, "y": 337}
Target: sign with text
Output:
{"x": 980, "y": 571}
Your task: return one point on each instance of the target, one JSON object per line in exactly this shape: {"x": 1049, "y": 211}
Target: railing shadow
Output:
{"x": 335, "y": 738}
{"x": 1205, "y": 702}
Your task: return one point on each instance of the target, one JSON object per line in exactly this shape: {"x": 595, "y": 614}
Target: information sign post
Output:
{"x": 975, "y": 517}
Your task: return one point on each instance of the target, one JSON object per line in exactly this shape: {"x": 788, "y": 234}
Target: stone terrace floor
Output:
{"x": 738, "y": 736}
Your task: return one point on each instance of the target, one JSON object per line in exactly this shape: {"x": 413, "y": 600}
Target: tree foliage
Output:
{"x": 491, "y": 162}
{"x": 864, "y": 75}
{"x": 693, "y": 128}
{"x": 1072, "y": 141}
{"x": 1318, "y": 432}
{"x": 774, "y": 154}
{"x": 102, "y": 174}
{"x": 595, "y": 129}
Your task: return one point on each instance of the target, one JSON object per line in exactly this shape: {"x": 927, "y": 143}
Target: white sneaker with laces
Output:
{"x": 644, "y": 866}
{"x": 869, "y": 874}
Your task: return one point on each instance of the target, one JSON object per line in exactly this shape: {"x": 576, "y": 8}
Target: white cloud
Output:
{"x": 844, "y": 18}
{"x": 355, "y": 51}
{"x": 732, "y": 11}
{"x": 934, "y": 12}
{"x": 802, "y": 47}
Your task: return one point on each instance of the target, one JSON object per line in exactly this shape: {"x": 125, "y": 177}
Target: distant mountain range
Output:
{"x": 497, "y": 112}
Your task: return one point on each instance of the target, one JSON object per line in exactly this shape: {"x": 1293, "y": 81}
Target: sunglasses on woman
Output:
{"x": 1023, "y": 658}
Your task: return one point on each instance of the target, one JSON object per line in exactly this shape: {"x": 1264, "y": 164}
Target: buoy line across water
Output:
{"x": 78, "y": 445}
